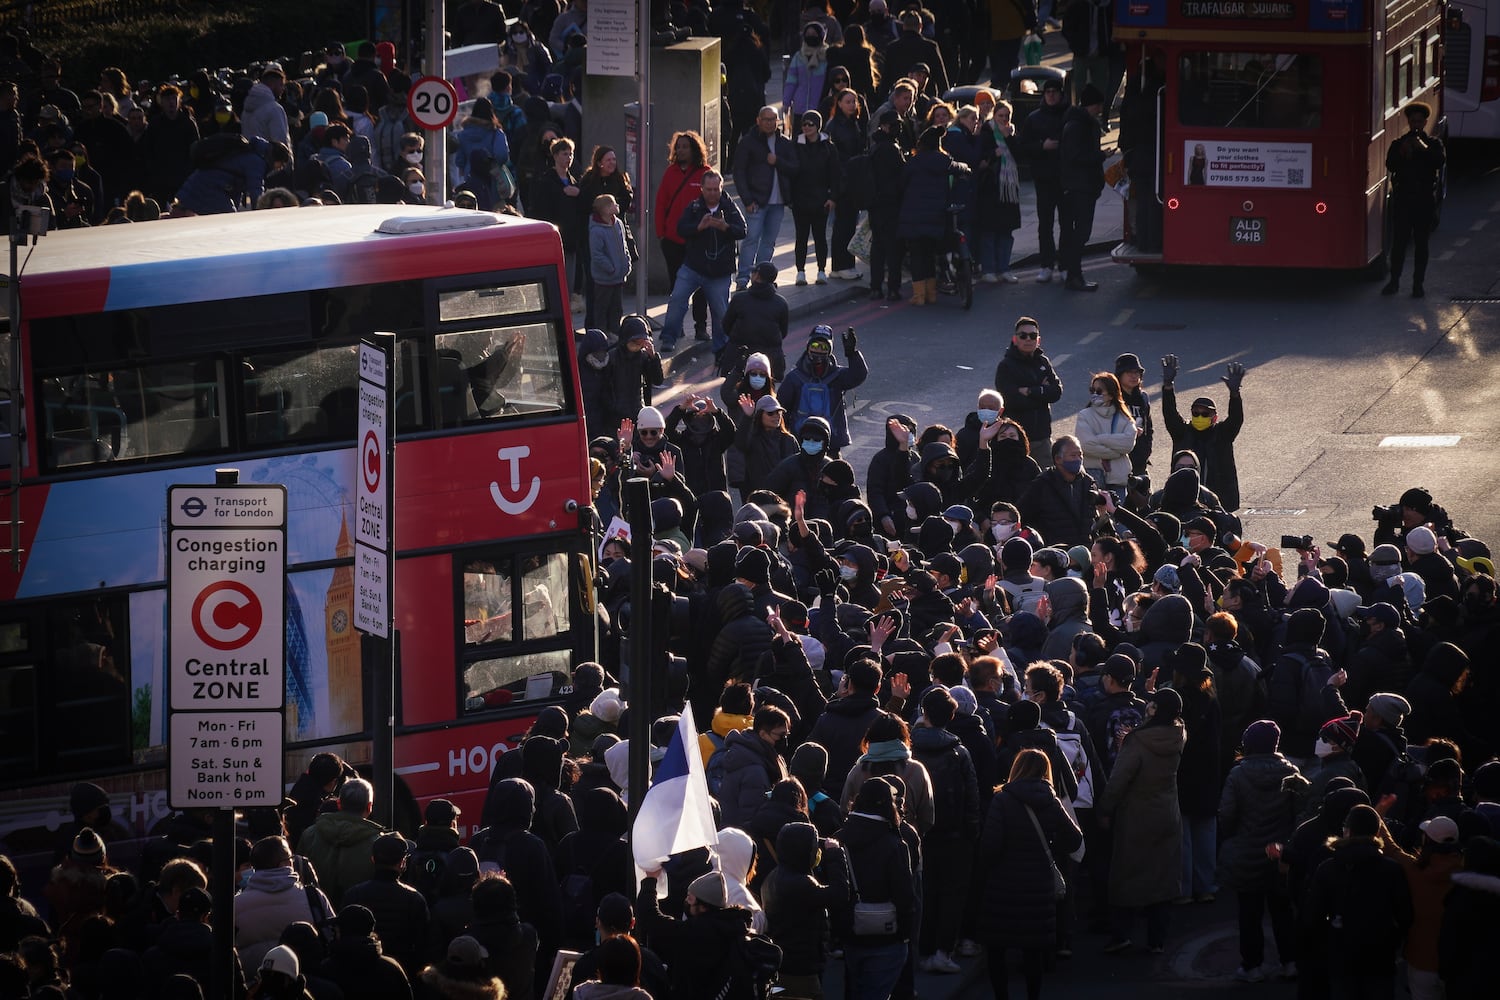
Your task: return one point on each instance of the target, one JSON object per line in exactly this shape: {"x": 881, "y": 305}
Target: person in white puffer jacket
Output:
{"x": 273, "y": 897}
{"x": 1107, "y": 432}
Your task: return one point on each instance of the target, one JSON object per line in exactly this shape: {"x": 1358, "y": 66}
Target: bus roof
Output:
{"x": 213, "y": 257}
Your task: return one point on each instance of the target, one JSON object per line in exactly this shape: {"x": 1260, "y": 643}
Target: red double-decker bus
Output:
{"x": 151, "y": 354}
{"x": 1269, "y": 121}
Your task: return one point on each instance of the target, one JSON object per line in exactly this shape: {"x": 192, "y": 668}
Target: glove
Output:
{"x": 1168, "y": 370}
{"x": 851, "y": 343}
{"x": 1236, "y": 375}
{"x": 827, "y": 581}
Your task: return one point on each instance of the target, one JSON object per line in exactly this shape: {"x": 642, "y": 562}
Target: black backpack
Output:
{"x": 425, "y": 870}
{"x": 208, "y": 151}
{"x": 752, "y": 968}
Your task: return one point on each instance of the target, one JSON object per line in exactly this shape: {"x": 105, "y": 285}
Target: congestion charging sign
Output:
{"x": 226, "y": 649}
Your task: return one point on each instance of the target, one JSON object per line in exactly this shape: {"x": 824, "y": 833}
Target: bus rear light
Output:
{"x": 1321, "y": 208}
{"x": 1489, "y": 82}
{"x": 1173, "y": 204}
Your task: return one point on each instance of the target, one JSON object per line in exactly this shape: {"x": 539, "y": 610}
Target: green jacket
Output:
{"x": 338, "y": 845}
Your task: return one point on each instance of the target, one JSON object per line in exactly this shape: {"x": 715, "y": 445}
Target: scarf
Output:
{"x": 887, "y": 750}
{"x": 814, "y": 54}
{"x": 1005, "y": 170}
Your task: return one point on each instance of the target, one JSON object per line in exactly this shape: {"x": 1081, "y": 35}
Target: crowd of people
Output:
{"x": 1002, "y": 695}
{"x": 862, "y": 141}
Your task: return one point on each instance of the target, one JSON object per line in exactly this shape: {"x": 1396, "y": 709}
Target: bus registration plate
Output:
{"x": 1247, "y": 230}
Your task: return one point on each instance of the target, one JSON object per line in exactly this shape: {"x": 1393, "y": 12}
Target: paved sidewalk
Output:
{"x": 1109, "y": 218}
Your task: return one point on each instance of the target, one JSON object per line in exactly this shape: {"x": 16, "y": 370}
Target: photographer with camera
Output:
{"x": 1204, "y": 434}
{"x": 1415, "y": 509}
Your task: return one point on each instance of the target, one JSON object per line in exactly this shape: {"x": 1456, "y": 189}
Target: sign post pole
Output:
{"x": 373, "y": 558}
{"x": 226, "y": 600}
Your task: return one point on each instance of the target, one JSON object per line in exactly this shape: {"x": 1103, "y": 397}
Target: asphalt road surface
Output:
{"x": 1350, "y": 398}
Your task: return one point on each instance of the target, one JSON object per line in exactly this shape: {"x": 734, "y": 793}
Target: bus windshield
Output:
{"x": 1252, "y": 90}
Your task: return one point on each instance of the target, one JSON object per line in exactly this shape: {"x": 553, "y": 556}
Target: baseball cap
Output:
{"x": 1120, "y": 667}
{"x": 1349, "y": 544}
{"x": 821, "y": 334}
{"x": 466, "y": 952}
{"x": 768, "y": 404}
{"x": 1203, "y": 526}
{"x": 1381, "y": 612}
{"x": 1057, "y": 559}
{"x": 1440, "y": 830}
{"x": 389, "y": 849}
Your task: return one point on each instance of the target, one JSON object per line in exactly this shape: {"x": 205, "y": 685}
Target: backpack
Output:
{"x": 815, "y": 400}
{"x": 1024, "y": 596}
{"x": 752, "y": 966}
{"x": 1121, "y": 723}
{"x": 1071, "y": 745}
{"x": 424, "y": 872}
{"x": 1404, "y": 779}
{"x": 714, "y": 769}
{"x": 1277, "y": 706}
{"x": 947, "y": 791}
{"x": 579, "y": 904}
{"x": 859, "y": 181}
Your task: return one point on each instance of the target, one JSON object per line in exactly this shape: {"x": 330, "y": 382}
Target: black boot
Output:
{"x": 1391, "y": 287}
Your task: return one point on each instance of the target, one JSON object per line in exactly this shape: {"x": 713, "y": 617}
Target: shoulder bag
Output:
{"x": 871, "y": 919}
{"x": 1059, "y": 884}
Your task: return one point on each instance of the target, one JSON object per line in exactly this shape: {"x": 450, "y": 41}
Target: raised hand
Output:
{"x": 747, "y": 404}
{"x": 1234, "y": 375}
{"x": 1169, "y": 370}
{"x": 667, "y": 464}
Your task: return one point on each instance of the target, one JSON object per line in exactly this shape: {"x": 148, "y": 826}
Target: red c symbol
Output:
{"x": 370, "y": 462}
{"x": 227, "y": 615}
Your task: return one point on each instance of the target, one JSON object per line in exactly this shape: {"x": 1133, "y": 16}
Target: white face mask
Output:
{"x": 1322, "y": 749}
{"x": 1002, "y": 531}
{"x": 911, "y": 512}
{"x": 413, "y": 158}
{"x": 957, "y": 526}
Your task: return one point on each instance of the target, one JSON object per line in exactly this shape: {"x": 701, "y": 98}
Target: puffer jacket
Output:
{"x": 1019, "y": 909}
{"x": 758, "y": 320}
{"x": 820, "y": 176}
{"x": 1107, "y": 435}
{"x": 1033, "y": 410}
{"x": 881, "y": 867}
{"x": 839, "y": 730}
{"x": 763, "y": 450}
{"x": 1262, "y": 797}
{"x": 1070, "y": 616}
{"x": 273, "y": 898}
{"x": 741, "y": 641}
{"x": 751, "y": 767}
{"x": 925, "y": 194}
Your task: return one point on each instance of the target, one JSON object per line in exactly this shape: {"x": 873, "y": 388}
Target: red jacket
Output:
{"x": 674, "y": 194}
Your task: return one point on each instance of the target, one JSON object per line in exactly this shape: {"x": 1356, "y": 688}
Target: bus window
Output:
{"x": 1250, "y": 90}
{"x": 499, "y": 372}
{"x": 147, "y": 412}
{"x": 495, "y": 683}
{"x": 487, "y": 602}
{"x": 297, "y": 395}
{"x": 484, "y": 303}
{"x": 544, "y": 596}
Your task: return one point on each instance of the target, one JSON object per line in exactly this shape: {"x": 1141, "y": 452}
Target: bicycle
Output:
{"x": 956, "y": 261}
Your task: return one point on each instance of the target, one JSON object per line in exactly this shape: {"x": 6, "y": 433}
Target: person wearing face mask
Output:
{"x": 1060, "y": 503}
{"x": 803, "y": 471}
{"x": 815, "y": 388}
{"x": 987, "y": 410}
{"x": 1211, "y": 440}
{"x": 71, "y": 198}
{"x": 1333, "y": 750}
{"x": 416, "y": 187}
{"x": 762, "y": 443}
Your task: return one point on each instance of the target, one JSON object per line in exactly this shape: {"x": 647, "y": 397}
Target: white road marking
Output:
{"x": 1122, "y": 317}
{"x": 1090, "y": 337}
{"x": 1478, "y": 225}
{"x": 1420, "y": 441}
{"x": 1060, "y": 359}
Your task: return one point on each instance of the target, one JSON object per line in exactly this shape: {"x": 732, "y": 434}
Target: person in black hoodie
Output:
{"x": 949, "y": 844}
{"x": 356, "y": 963}
{"x": 598, "y": 853}
{"x": 736, "y": 650}
{"x": 514, "y": 955}
{"x": 1060, "y": 503}
{"x": 634, "y": 370}
{"x": 541, "y": 765}
{"x": 696, "y": 947}
{"x": 803, "y": 472}
{"x": 757, "y": 320}
{"x": 1211, "y": 440}
{"x": 1360, "y": 900}
{"x": 507, "y": 843}
{"x": 1302, "y": 691}
{"x": 810, "y": 882}
{"x": 186, "y": 945}
{"x": 703, "y": 433}
{"x": 1081, "y": 170}
{"x": 842, "y": 726}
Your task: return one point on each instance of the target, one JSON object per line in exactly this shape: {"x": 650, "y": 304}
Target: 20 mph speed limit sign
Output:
{"x": 432, "y": 102}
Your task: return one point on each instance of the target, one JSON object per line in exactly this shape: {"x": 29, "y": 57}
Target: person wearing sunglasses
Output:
{"x": 1029, "y": 385}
